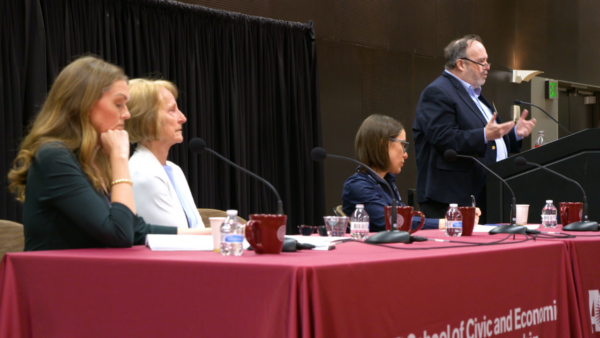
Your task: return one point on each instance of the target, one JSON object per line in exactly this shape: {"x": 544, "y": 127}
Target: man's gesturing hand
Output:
{"x": 524, "y": 126}
{"x": 494, "y": 131}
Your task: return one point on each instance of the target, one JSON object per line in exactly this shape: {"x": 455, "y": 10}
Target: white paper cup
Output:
{"x": 522, "y": 212}
{"x": 215, "y": 227}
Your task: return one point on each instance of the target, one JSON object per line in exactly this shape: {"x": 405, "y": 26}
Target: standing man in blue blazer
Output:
{"x": 452, "y": 114}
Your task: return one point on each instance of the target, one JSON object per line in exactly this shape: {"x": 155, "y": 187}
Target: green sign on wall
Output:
{"x": 551, "y": 89}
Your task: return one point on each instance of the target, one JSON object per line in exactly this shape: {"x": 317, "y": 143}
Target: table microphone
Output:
{"x": 585, "y": 224}
{"x": 450, "y": 155}
{"x": 388, "y": 236}
{"x": 531, "y": 104}
{"x": 197, "y": 145}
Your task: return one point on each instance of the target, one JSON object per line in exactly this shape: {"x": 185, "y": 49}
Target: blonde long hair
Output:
{"x": 65, "y": 118}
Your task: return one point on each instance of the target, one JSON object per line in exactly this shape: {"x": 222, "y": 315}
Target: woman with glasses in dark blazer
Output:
{"x": 381, "y": 144}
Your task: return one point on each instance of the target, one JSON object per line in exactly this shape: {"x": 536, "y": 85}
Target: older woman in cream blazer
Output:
{"x": 161, "y": 191}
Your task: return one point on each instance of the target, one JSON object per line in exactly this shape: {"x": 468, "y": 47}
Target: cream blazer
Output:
{"x": 155, "y": 197}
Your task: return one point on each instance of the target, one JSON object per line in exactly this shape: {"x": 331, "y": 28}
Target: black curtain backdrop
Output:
{"x": 248, "y": 87}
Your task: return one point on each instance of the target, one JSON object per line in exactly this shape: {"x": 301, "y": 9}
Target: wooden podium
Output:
{"x": 576, "y": 156}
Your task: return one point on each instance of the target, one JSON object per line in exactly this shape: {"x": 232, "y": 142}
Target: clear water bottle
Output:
{"x": 549, "y": 215}
{"x": 453, "y": 221}
{"x": 359, "y": 223}
{"x": 540, "y": 140}
{"x": 232, "y": 235}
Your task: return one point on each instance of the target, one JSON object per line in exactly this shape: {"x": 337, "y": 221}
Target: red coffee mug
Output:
{"x": 570, "y": 212}
{"x": 265, "y": 233}
{"x": 468, "y": 214}
{"x": 404, "y": 216}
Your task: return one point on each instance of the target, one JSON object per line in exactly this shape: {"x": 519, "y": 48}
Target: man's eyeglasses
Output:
{"x": 479, "y": 63}
{"x": 403, "y": 143}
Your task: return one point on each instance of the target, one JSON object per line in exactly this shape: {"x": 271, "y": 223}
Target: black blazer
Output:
{"x": 447, "y": 118}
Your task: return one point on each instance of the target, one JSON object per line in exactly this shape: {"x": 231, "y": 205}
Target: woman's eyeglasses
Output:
{"x": 404, "y": 143}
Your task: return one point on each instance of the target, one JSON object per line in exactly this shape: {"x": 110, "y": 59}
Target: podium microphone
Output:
{"x": 450, "y": 155}
{"x": 538, "y": 107}
{"x": 197, "y": 145}
{"x": 389, "y": 236}
{"x": 585, "y": 224}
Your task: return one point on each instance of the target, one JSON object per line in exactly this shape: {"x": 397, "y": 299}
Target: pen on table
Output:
{"x": 342, "y": 240}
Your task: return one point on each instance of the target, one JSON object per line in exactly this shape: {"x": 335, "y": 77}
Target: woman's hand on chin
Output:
{"x": 115, "y": 143}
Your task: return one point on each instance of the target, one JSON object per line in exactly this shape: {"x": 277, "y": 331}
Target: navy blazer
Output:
{"x": 447, "y": 118}
{"x": 364, "y": 188}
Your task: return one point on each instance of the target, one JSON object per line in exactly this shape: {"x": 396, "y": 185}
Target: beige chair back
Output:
{"x": 339, "y": 211}
{"x": 12, "y": 238}
{"x": 207, "y": 213}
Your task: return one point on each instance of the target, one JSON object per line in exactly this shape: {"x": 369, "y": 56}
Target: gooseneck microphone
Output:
{"x": 585, "y": 224}
{"x": 197, "y": 145}
{"x": 450, "y": 155}
{"x": 390, "y": 236}
{"x": 538, "y": 107}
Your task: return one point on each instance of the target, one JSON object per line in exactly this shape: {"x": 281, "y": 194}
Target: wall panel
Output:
{"x": 563, "y": 27}
{"x": 320, "y": 12}
{"x": 495, "y": 22}
{"x": 363, "y": 22}
{"x": 413, "y": 26}
{"x": 454, "y": 19}
{"x": 340, "y": 81}
{"x": 531, "y": 42}
{"x": 585, "y": 46}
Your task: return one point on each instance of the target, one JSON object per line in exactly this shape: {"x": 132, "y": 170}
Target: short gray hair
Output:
{"x": 458, "y": 49}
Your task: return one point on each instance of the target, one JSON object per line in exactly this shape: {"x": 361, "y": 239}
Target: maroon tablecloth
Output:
{"x": 584, "y": 251}
{"x": 356, "y": 290}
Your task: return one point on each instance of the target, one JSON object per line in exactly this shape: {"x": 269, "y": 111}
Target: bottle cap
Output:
{"x": 453, "y": 205}
{"x": 231, "y": 212}
{"x": 360, "y": 206}
{"x": 541, "y": 131}
{"x": 548, "y": 201}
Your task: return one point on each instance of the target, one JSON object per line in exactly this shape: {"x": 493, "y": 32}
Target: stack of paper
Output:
{"x": 320, "y": 243}
{"x": 183, "y": 242}
{"x": 205, "y": 243}
{"x": 179, "y": 242}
